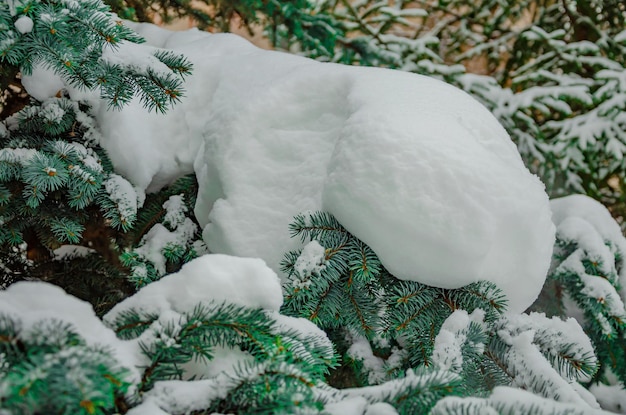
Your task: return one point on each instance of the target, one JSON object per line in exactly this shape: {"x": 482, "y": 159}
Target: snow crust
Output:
{"x": 414, "y": 167}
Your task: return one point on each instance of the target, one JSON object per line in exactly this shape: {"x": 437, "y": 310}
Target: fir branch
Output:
{"x": 416, "y": 393}
{"x": 318, "y": 226}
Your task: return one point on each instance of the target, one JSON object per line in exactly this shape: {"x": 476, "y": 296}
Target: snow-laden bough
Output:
{"x": 414, "y": 167}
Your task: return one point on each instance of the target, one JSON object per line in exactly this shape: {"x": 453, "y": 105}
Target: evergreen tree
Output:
{"x": 277, "y": 363}
{"x": 548, "y": 70}
{"x": 65, "y": 212}
{"x": 584, "y": 280}
{"x": 389, "y": 345}
{"x": 387, "y": 326}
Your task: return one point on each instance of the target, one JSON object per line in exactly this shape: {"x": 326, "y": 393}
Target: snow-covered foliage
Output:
{"x": 403, "y": 297}
{"x": 388, "y": 326}
{"x": 176, "y": 240}
{"x": 587, "y": 279}
{"x": 50, "y": 166}
{"x": 210, "y": 338}
{"x": 505, "y": 400}
{"x": 75, "y": 39}
{"x": 215, "y": 321}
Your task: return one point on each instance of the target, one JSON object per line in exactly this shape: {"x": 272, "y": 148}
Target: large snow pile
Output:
{"x": 414, "y": 167}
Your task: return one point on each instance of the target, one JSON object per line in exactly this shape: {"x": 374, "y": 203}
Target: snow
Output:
{"x": 135, "y": 56}
{"x": 414, "y": 167}
{"x": 17, "y": 155}
{"x": 182, "y": 231}
{"x": 303, "y": 327}
{"x": 591, "y": 211}
{"x": 311, "y": 260}
{"x": 550, "y": 334}
{"x": 380, "y": 408}
{"x": 175, "y": 210}
{"x": 589, "y": 240}
{"x": 208, "y": 279}
{"x": 154, "y": 242}
{"x": 530, "y": 368}
{"x": 224, "y": 360}
{"x": 598, "y": 238}
{"x": 71, "y": 251}
{"x": 218, "y": 278}
{"x": 447, "y": 351}
{"x": 51, "y": 111}
{"x": 374, "y": 366}
{"x": 503, "y": 394}
{"x": 610, "y": 397}
{"x": 31, "y": 302}
{"x": 87, "y": 156}
{"x": 174, "y": 396}
{"x": 42, "y": 83}
{"x": 148, "y": 407}
{"x": 586, "y": 221}
{"x": 24, "y": 24}
{"x": 510, "y": 400}
{"x": 123, "y": 194}
{"x": 351, "y": 406}
{"x": 412, "y": 379}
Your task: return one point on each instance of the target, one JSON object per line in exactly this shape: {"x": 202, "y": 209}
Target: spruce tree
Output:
{"x": 59, "y": 189}
{"x": 388, "y": 345}
{"x": 585, "y": 280}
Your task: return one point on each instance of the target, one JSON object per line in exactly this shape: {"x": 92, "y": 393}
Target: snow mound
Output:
{"x": 414, "y": 167}
{"x": 221, "y": 278}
